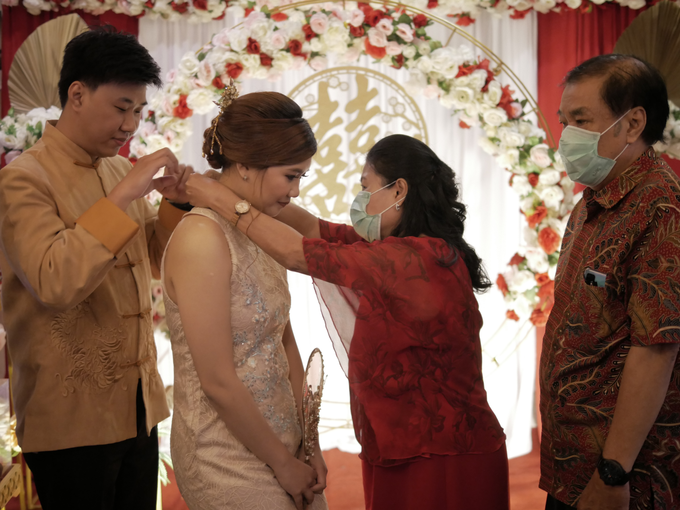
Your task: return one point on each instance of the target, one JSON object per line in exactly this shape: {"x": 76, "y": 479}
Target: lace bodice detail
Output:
{"x": 213, "y": 469}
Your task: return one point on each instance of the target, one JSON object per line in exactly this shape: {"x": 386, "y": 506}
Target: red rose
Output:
{"x": 510, "y": 314}
{"x": 432, "y": 4}
{"x": 542, "y": 279}
{"x": 398, "y": 61}
{"x": 516, "y": 260}
{"x": 248, "y": 11}
{"x": 221, "y": 16}
{"x": 234, "y": 70}
{"x": 357, "y": 31}
{"x": 463, "y": 125}
{"x": 201, "y": 5}
{"x": 149, "y": 3}
{"x": 182, "y": 110}
{"x": 374, "y": 51}
{"x": 547, "y": 291}
{"x": 519, "y": 14}
{"x": 265, "y": 60}
{"x": 539, "y": 215}
{"x": 464, "y": 20}
{"x": 539, "y": 317}
{"x": 280, "y": 16}
{"x": 253, "y": 46}
{"x": 373, "y": 18}
{"x": 309, "y": 33}
{"x": 218, "y": 83}
{"x": 365, "y": 8}
{"x": 549, "y": 240}
{"x": 132, "y": 160}
{"x": 295, "y": 48}
{"x": 502, "y": 284}
{"x": 533, "y": 179}
{"x": 181, "y": 8}
{"x": 419, "y": 20}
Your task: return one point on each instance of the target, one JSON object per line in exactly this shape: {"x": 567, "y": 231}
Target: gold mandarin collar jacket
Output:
{"x": 76, "y": 296}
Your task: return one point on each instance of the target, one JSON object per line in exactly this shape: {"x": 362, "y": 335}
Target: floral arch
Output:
{"x": 269, "y": 42}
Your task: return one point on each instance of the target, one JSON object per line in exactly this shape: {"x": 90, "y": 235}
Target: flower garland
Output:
{"x": 464, "y": 11}
{"x": 671, "y": 134}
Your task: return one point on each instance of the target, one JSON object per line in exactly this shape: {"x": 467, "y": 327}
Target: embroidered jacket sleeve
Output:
{"x": 60, "y": 266}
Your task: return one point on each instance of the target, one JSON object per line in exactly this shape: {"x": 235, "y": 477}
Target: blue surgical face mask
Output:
{"x": 367, "y": 225}
{"x": 578, "y": 149}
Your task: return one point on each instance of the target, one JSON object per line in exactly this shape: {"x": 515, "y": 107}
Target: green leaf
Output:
{"x": 201, "y": 56}
{"x": 420, "y": 32}
{"x": 435, "y": 45}
{"x": 12, "y": 130}
{"x": 266, "y": 10}
{"x": 553, "y": 258}
{"x": 524, "y": 102}
{"x": 404, "y": 18}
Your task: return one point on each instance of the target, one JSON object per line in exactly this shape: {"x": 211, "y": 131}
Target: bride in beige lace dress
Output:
{"x": 236, "y": 429}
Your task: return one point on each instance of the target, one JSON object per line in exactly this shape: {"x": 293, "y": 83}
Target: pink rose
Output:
{"x": 356, "y": 18}
{"x": 278, "y": 41}
{"x": 318, "y": 63}
{"x": 11, "y": 156}
{"x": 385, "y": 26}
{"x": 221, "y": 38}
{"x": 393, "y": 48}
{"x": 319, "y": 23}
{"x": 405, "y": 32}
{"x": 377, "y": 38}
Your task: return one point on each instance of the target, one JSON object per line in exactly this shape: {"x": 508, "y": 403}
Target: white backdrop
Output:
{"x": 493, "y": 226}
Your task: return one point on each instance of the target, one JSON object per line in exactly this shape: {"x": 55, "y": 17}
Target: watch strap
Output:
{"x": 612, "y": 473}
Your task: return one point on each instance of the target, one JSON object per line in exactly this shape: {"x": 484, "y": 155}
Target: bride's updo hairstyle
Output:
{"x": 259, "y": 130}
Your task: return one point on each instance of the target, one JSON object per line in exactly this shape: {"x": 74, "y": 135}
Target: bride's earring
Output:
{"x": 245, "y": 177}
{"x": 398, "y": 207}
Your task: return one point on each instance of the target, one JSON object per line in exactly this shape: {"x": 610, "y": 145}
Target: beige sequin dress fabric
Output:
{"x": 213, "y": 469}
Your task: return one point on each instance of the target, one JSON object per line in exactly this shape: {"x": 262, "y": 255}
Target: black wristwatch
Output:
{"x": 612, "y": 473}
{"x": 182, "y": 207}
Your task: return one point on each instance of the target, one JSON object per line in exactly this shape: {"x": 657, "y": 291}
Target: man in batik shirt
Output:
{"x": 610, "y": 381}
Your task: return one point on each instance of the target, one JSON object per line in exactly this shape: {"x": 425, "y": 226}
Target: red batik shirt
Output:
{"x": 630, "y": 232}
{"x": 415, "y": 364}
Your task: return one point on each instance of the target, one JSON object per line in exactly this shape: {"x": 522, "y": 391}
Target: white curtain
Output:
{"x": 493, "y": 224}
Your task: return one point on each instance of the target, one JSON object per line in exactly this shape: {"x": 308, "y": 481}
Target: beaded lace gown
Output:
{"x": 213, "y": 469}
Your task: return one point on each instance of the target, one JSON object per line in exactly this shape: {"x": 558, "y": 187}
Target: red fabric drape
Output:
{"x": 18, "y": 24}
{"x": 567, "y": 39}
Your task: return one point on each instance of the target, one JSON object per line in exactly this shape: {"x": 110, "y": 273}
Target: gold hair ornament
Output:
{"x": 228, "y": 95}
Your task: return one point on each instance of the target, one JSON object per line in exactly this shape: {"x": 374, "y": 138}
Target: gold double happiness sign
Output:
{"x": 349, "y": 110}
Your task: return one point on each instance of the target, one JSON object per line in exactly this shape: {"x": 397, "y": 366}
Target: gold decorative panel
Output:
{"x": 349, "y": 110}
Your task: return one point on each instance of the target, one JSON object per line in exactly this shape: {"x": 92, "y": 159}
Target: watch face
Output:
{"x": 242, "y": 207}
{"x": 611, "y": 472}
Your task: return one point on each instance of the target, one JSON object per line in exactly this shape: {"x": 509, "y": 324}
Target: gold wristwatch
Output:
{"x": 242, "y": 207}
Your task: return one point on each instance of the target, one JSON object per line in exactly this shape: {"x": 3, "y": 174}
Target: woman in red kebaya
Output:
{"x": 397, "y": 290}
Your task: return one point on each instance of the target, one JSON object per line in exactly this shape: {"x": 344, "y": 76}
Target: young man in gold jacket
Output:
{"x": 80, "y": 244}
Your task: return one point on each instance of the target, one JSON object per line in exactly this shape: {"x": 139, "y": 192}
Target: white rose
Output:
{"x": 206, "y": 73}
{"x": 282, "y": 61}
{"x": 537, "y": 260}
{"x": 549, "y": 177}
{"x": 409, "y": 51}
{"x": 336, "y": 38}
{"x": 521, "y": 281}
{"x": 444, "y": 62}
{"x": 238, "y": 40}
{"x": 189, "y": 64}
{"x": 318, "y": 22}
{"x": 528, "y": 202}
{"x": 478, "y": 79}
{"x": 488, "y": 146}
{"x": 431, "y": 91}
{"x": 423, "y": 47}
{"x": 495, "y": 116}
{"x": 636, "y": 4}
{"x": 356, "y": 18}
{"x": 552, "y": 197}
{"x": 416, "y": 83}
{"x": 510, "y": 138}
{"x": 316, "y": 45}
{"x": 521, "y": 185}
{"x": 544, "y": 6}
{"x": 424, "y": 64}
{"x": 508, "y": 158}
{"x": 385, "y": 26}
{"x": 137, "y": 148}
{"x": 377, "y": 38}
{"x": 393, "y": 48}
{"x": 462, "y": 95}
{"x": 155, "y": 143}
{"x": 530, "y": 237}
{"x": 539, "y": 155}
{"x": 573, "y": 4}
{"x": 351, "y": 55}
{"x": 260, "y": 30}
{"x": 523, "y": 307}
{"x": 201, "y": 101}
{"x": 493, "y": 94}
{"x": 250, "y": 62}
{"x": 318, "y": 63}
{"x": 405, "y": 31}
